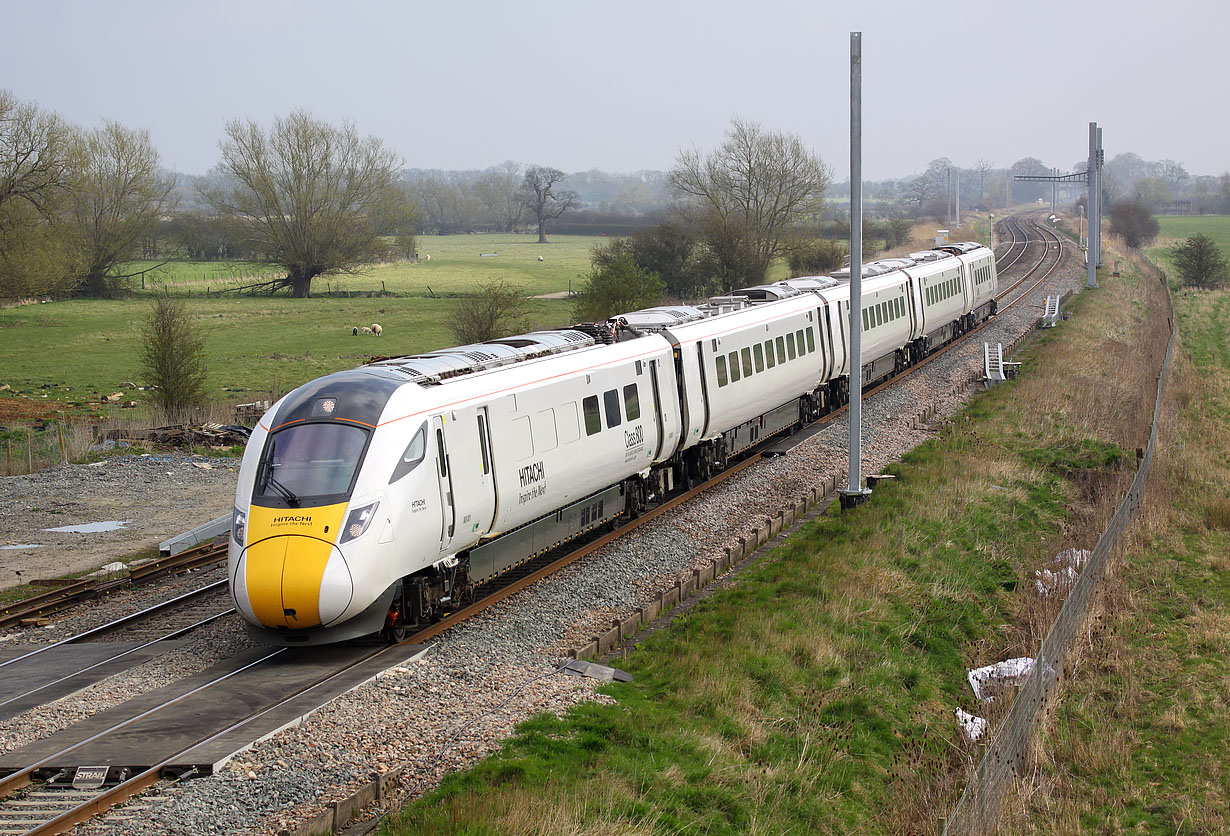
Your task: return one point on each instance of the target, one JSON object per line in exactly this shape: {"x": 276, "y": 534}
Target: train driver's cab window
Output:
{"x": 310, "y": 460}
{"x": 610, "y": 399}
{"x": 593, "y": 420}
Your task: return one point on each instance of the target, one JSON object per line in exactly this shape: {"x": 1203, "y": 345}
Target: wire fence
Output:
{"x": 977, "y": 813}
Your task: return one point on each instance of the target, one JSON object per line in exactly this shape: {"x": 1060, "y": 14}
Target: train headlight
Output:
{"x": 239, "y": 526}
{"x": 357, "y": 521}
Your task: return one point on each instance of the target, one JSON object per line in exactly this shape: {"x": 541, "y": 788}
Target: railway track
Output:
{"x": 131, "y": 636}
{"x": 67, "y": 596}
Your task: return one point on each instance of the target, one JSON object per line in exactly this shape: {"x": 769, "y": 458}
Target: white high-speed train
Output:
{"x": 378, "y": 498}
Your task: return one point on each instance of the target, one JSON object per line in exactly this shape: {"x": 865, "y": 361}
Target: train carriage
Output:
{"x": 374, "y": 499}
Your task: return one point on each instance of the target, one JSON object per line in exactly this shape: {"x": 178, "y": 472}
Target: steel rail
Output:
{"x": 142, "y": 781}
{"x": 72, "y": 594}
{"x": 121, "y": 622}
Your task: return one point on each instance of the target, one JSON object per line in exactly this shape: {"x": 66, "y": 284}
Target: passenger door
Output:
{"x": 468, "y": 435}
{"x": 444, "y": 473}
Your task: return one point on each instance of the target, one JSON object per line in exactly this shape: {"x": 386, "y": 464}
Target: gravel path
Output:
{"x": 157, "y": 496}
{"x": 462, "y": 700}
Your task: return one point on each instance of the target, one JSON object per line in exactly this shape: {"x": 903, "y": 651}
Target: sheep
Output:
{"x": 354, "y": 332}
{"x": 540, "y": 258}
{"x": 427, "y": 258}
{"x": 366, "y": 330}
{"x": 376, "y": 329}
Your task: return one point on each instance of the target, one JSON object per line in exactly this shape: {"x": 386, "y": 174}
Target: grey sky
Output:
{"x": 624, "y": 85}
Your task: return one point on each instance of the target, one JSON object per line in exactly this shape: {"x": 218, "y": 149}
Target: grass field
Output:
{"x": 1175, "y": 229}
{"x": 1203, "y": 316}
{"x": 816, "y": 695}
{"x": 77, "y": 350}
{"x": 457, "y": 264}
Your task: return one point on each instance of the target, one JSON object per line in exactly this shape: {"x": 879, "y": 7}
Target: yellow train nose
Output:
{"x": 295, "y": 581}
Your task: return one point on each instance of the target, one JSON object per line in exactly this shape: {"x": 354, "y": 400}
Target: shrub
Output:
{"x": 173, "y": 359}
{"x": 494, "y": 309}
{"x": 1200, "y": 263}
{"x": 617, "y": 286}
{"x": 1134, "y": 222}
{"x": 815, "y": 257}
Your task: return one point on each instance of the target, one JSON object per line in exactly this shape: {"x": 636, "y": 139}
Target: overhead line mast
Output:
{"x": 855, "y": 492}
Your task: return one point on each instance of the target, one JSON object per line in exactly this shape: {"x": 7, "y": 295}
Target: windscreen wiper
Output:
{"x": 283, "y": 491}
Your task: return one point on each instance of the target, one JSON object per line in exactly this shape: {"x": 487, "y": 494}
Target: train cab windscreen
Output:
{"x": 309, "y": 462}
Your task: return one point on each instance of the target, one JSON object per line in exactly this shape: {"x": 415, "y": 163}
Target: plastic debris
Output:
{"x": 1061, "y": 574}
{"x": 973, "y": 727}
{"x": 1008, "y": 672}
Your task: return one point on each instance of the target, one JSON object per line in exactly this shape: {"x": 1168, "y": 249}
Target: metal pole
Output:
{"x": 854, "y": 492}
{"x": 1054, "y": 173}
{"x": 1091, "y": 202}
{"x": 958, "y": 215}
{"x": 1099, "y": 161}
{"x": 948, "y": 196}
{"x": 991, "y": 224}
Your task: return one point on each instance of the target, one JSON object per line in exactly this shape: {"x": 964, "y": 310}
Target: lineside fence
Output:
{"x": 976, "y": 814}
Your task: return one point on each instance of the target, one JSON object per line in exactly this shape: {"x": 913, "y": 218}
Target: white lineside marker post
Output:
{"x": 855, "y": 493}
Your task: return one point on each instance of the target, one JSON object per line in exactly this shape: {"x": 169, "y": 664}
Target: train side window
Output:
{"x": 747, "y": 362}
{"x": 414, "y": 454}
{"x": 769, "y": 355}
{"x": 758, "y": 351}
{"x": 733, "y": 357}
{"x": 593, "y": 420}
{"x": 790, "y": 345}
{"x": 865, "y": 325}
{"x": 798, "y": 339}
{"x": 566, "y": 423}
{"x": 632, "y": 402}
{"x": 545, "y": 436}
{"x": 610, "y": 399}
{"x": 721, "y": 369}
{"x": 811, "y": 340}
{"x": 440, "y": 460}
{"x": 781, "y": 349}
{"x": 482, "y": 444}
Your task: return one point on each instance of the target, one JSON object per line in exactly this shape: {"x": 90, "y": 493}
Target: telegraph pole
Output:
{"x": 854, "y": 492}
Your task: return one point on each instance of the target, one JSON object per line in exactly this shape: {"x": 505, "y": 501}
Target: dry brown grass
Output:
{"x": 1137, "y": 694}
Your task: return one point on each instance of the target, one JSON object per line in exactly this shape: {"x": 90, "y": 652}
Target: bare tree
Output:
{"x": 310, "y": 196}
{"x": 920, "y": 190}
{"x": 34, "y": 176}
{"x": 497, "y": 189}
{"x": 540, "y": 195}
{"x": 983, "y": 167}
{"x": 116, "y": 196}
{"x": 745, "y": 196}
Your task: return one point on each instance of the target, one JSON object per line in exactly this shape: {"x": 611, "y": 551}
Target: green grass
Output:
{"x": 1178, "y": 229}
{"x": 456, "y": 266}
{"x": 81, "y": 349}
{"x": 816, "y": 695}
{"x": 1203, "y": 316}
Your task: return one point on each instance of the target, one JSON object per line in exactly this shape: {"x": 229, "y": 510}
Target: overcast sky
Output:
{"x": 624, "y": 85}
